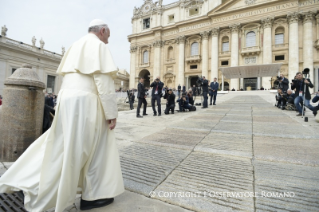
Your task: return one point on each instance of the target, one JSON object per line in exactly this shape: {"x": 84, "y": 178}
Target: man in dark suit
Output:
{"x": 213, "y": 90}
{"x": 179, "y": 88}
{"x": 283, "y": 83}
{"x": 157, "y": 86}
{"x": 299, "y": 85}
{"x": 184, "y": 89}
{"x": 205, "y": 92}
{"x": 170, "y": 105}
{"x": 141, "y": 96}
{"x": 132, "y": 99}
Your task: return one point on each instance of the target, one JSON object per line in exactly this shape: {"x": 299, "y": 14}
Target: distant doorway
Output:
{"x": 250, "y": 84}
{"x": 146, "y": 75}
{"x": 193, "y": 81}
{"x": 226, "y": 87}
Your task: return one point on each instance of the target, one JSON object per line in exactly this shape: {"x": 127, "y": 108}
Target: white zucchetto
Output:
{"x": 96, "y": 22}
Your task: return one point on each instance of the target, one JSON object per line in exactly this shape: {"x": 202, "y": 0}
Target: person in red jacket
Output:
{"x": 0, "y": 100}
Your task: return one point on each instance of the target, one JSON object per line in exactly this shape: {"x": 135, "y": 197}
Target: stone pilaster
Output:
{"x": 181, "y": 60}
{"x": 205, "y": 36}
{"x": 293, "y": 20}
{"x": 308, "y": 18}
{"x": 214, "y": 57}
{"x": 267, "y": 48}
{"x": 234, "y": 83}
{"x": 133, "y": 66}
{"x": 157, "y": 58}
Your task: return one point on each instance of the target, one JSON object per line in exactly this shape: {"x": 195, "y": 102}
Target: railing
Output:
{"x": 225, "y": 53}
{"x": 250, "y": 50}
{"x": 18, "y": 44}
{"x": 144, "y": 65}
{"x": 283, "y": 45}
{"x": 193, "y": 58}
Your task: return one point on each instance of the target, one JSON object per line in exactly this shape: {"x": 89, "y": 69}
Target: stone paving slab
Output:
{"x": 301, "y": 181}
{"x": 288, "y": 150}
{"x": 132, "y": 132}
{"x": 226, "y": 144}
{"x": 207, "y": 174}
{"x": 176, "y": 138}
{"x": 233, "y": 127}
{"x": 274, "y": 120}
{"x": 206, "y": 117}
{"x": 194, "y": 125}
{"x": 146, "y": 166}
{"x": 237, "y": 118}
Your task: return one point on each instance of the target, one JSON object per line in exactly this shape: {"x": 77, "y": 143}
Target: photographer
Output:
{"x": 299, "y": 84}
{"x": 141, "y": 96}
{"x": 183, "y": 103}
{"x": 131, "y": 99}
{"x": 281, "y": 98}
{"x": 315, "y": 100}
{"x": 190, "y": 97}
{"x": 213, "y": 88}
{"x": 170, "y": 105}
{"x": 205, "y": 92}
{"x": 157, "y": 86}
{"x": 283, "y": 83}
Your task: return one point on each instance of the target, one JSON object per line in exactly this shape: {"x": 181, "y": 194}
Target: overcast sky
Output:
{"x": 62, "y": 22}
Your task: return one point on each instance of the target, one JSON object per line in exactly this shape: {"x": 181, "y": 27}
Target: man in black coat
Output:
{"x": 132, "y": 99}
{"x": 299, "y": 85}
{"x": 179, "y": 88}
{"x": 205, "y": 92}
{"x": 141, "y": 96}
{"x": 184, "y": 89}
{"x": 283, "y": 83}
{"x": 170, "y": 105}
{"x": 213, "y": 91}
{"x": 194, "y": 89}
{"x": 157, "y": 86}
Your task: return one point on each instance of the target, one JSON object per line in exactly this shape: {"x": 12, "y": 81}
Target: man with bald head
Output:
{"x": 157, "y": 86}
{"x": 78, "y": 154}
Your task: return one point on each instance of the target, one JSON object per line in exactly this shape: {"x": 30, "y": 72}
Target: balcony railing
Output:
{"x": 250, "y": 50}
{"x": 280, "y": 46}
{"x": 194, "y": 58}
{"x": 144, "y": 65}
{"x": 171, "y": 60}
{"x": 224, "y": 53}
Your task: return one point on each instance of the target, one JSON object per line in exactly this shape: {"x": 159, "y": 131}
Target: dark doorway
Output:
{"x": 226, "y": 87}
{"x": 193, "y": 81}
{"x": 146, "y": 75}
{"x": 250, "y": 84}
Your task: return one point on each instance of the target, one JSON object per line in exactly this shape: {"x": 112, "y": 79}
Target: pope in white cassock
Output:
{"x": 78, "y": 153}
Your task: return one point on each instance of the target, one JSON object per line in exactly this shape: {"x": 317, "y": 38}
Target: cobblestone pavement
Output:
{"x": 242, "y": 155}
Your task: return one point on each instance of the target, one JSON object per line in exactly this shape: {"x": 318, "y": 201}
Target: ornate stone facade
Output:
{"x": 200, "y": 37}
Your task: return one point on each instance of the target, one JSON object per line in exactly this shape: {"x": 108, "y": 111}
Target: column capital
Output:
{"x": 181, "y": 39}
{"x": 293, "y": 17}
{"x": 133, "y": 49}
{"x": 267, "y": 22}
{"x": 158, "y": 43}
{"x": 317, "y": 17}
{"x": 215, "y": 32}
{"x": 308, "y": 16}
{"x": 205, "y": 35}
{"x": 234, "y": 28}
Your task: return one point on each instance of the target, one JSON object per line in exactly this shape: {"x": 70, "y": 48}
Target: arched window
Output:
{"x": 251, "y": 39}
{"x": 170, "y": 53}
{"x": 145, "y": 57}
{"x": 194, "y": 49}
{"x": 225, "y": 44}
{"x": 279, "y": 35}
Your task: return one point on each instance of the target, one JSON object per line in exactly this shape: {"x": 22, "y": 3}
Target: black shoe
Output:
{"x": 210, "y": 104}
{"x": 172, "y": 112}
{"x": 159, "y": 114}
{"x": 88, "y": 205}
{"x": 145, "y": 114}
{"x": 155, "y": 114}
{"x": 299, "y": 114}
{"x": 139, "y": 116}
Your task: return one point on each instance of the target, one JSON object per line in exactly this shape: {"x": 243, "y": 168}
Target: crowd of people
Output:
{"x": 297, "y": 96}
{"x": 184, "y": 98}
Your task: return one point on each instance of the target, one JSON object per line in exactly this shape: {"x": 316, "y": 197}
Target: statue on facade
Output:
{"x": 63, "y": 50}
{"x": 4, "y": 31}
{"x": 41, "y": 43}
{"x": 33, "y": 41}
{"x": 160, "y": 3}
{"x": 135, "y": 11}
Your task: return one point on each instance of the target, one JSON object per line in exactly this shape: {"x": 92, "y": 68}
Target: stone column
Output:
{"x": 308, "y": 43}
{"x": 234, "y": 53}
{"x": 181, "y": 60}
{"x": 293, "y": 20}
{"x": 241, "y": 83}
{"x": 258, "y": 82}
{"x": 187, "y": 83}
{"x": 267, "y": 48}
{"x": 223, "y": 83}
{"x": 205, "y": 36}
{"x": 157, "y": 58}
{"x": 133, "y": 65}
{"x": 214, "y": 57}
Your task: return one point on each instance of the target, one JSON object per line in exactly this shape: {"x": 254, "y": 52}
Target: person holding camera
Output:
{"x": 190, "y": 97}
{"x": 213, "y": 90}
{"x": 205, "y": 92}
{"x": 183, "y": 103}
{"x": 157, "y": 86}
{"x": 281, "y": 98}
{"x": 170, "y": 104}
{"x": 299, "y": 84}
{"x": 141, "y": 96}
{"x": 283, "y": 83}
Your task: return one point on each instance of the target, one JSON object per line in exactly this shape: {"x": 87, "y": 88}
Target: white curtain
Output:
{"x": 225, "y": 47}
{"x": 145, "y": 57}
{"x": 194, "y": 49}
{"x": 279, "y": 39}
{"x": 251, "y": 39}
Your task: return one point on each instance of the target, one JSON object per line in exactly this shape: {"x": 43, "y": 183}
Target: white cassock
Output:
{"x": 78, "y": 153}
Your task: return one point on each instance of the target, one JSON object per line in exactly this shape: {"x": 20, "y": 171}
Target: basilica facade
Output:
{"x": 190, "y": 38}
